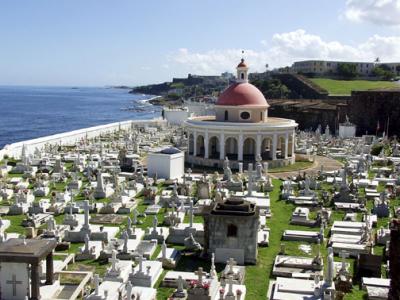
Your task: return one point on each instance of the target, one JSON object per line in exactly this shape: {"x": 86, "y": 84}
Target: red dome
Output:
{"x": 244, "y": 94}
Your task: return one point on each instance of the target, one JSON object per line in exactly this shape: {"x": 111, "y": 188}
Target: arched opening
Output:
{"x": 200, "y": 146}
{"x": 231, "y": 148}
{"x": 266, "y": 149}
{"x": 232, "y": 230}
{"x": 226, "y": 115}
{"x": 242, "y": 76}
{"x": 191, "y": 144}
{"x": 249, "y": 149}
{"x": 213, "y": 150}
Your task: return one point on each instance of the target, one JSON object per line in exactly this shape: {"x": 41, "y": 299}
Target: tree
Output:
{"x": 398, "y": 69}
{"x": 384, "y": 72}
{"x": 347, "y": 70}
{"x": 272, "y": 88}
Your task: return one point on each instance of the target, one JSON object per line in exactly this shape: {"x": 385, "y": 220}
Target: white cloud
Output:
{"x": 381, "y": 12}
{"x": 283, "y": 50}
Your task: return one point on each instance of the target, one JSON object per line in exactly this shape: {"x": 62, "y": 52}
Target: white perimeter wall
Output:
{"x": 71, "y": 137}
{"x": 176, "y": 117}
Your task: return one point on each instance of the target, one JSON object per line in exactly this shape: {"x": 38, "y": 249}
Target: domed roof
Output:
{"x": 170, "y": 150}
{"x": 242, "y": 64}
{"x": 242, "y": 94}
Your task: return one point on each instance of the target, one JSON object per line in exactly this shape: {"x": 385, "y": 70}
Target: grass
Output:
{"x": 297, "y": 166}
{"x": 259, "y": 276}
{"x": 344, "y": 87}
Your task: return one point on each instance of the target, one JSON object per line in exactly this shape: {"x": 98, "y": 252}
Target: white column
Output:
{"x": 258, "y": 145}
{"x": 206, "y": 145}
{"x": 221, "y": 146}
{"x": 274, "y": 146}
{"x": 286, "y": 144}
{"x": 240, "y": 147}
{"x": 195, "y": 143}
{"x": 293, "y": 142}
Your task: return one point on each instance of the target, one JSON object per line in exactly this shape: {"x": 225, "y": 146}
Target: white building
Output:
{"x": 176, "y": 116}
{"x": 347, "y": 130}
{"x": 168, "y": 163}
{"x": 241, "y": 129}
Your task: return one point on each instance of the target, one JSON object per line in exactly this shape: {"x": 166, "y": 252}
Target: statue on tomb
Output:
{"x": 259, "y": 167}
{"x": 227, "y": 170}
{"x": 191, "y": 244}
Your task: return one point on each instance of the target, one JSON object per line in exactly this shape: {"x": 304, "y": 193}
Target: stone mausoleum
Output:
{"x": 231, "y": 231}
{"x": 241, "y": 129}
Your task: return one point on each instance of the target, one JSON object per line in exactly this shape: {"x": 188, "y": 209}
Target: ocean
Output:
{"x": 32, "y": 112}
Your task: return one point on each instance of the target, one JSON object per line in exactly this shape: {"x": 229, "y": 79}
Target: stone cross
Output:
{"x": 191, "y": 214}
{"x": 140, "y": 260}
{"x": 14, "y": 283}
{"x": 200, "y": 274}
{"x": 231, "y": 262}
{"x": 135, "y": 215}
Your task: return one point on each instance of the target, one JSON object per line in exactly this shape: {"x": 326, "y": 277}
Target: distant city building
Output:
{"x": 321, "y": 67}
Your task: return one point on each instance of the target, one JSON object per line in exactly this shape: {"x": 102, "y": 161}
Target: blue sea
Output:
{"x": 31, "y": 112}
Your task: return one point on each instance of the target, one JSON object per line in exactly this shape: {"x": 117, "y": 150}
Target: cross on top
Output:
{"x": 231, "y": 262}
{"x": 200, "y": 274}
{"x": 140, "y": 260}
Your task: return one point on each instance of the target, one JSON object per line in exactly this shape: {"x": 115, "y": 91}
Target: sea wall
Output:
{"x": 71, "y": 137}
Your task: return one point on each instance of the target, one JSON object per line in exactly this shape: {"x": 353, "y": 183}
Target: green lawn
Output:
{"x": 344, "y": 87}
{"x": 298, "y": 165}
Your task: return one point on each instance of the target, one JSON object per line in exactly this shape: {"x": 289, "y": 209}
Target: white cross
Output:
{"x": 200, "y": 274}
{"x": 140, "y": 260}
{"x": 231, "y": 262}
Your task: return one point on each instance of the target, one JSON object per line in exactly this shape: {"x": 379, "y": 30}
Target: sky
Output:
{"x": 132, "y": 42}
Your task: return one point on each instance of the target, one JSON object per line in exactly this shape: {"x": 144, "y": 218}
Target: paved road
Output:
{"x": 328, "y": 163}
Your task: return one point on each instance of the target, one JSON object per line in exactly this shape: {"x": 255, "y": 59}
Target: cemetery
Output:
{"x": 131, "y": 220}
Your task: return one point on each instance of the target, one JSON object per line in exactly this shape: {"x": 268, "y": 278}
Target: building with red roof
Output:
{"x": 241, "y": 129}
